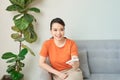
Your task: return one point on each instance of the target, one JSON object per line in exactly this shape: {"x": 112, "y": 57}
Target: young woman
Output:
{"x": 62, "y": 53}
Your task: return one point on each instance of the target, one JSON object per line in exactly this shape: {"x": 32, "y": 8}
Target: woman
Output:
{"x": 62, "y": 53}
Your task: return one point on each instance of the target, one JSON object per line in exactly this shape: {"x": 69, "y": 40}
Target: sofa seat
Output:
{"x": 105, "y": 77}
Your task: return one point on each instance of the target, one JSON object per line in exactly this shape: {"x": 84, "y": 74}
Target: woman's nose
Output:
{"x": 58, "y": 32}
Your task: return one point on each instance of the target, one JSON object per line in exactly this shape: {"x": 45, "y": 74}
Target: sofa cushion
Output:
{"x": 104, "y": 61}
{"x": 84, "y": 63}
{"x": 105, "y": 77}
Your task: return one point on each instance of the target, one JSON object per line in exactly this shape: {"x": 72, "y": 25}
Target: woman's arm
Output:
{"x": 44, "y": 65}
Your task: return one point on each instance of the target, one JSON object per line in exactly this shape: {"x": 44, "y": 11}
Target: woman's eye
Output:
{"x": 55, "y": 29}
{"x": 62, "y": 29}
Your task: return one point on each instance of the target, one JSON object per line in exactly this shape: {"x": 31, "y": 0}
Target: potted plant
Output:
{"x": 23, "y": 31}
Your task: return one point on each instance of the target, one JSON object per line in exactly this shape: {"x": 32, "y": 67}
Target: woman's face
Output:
{"x": 57, "y": 31}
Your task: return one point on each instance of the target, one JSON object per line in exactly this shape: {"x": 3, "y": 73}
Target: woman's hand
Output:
{"x": 75, "y": 65}
{"x": 74, "y": 62}
{"x": 63, "y": 76}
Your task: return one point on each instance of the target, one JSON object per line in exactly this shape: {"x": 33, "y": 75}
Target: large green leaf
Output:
{"x": 10, "y": 68}
{"x": 11, "y": 60}
{"x": 27, "y": 2}
{"x": 14, "y": 28}
{"x": 14, "y": 8}
{"x": 34, "y": 9}
{"x": 23, "y": 22}
{"x": 28, "y": 18}
{"x": 22, "y": 64}
{"x": 8, "y": 55}
{"x": 30, "y": 35}
{"x": 23, "y": 52}
{"x": 32, "y": 17}
{"x": 25, "y": 46}
{"x": 21, "y": 3}
{"x": 16, "y": 75}
{"x": 15, "y": 35}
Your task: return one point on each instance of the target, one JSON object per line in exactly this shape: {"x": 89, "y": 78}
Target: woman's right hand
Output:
{"x": 63, "y": 76}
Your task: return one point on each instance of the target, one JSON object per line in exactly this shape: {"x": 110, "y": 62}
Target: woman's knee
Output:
{"x": 75, "y": 75}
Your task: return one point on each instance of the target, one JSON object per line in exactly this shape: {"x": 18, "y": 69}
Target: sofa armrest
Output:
{"x": 44, "y": 75}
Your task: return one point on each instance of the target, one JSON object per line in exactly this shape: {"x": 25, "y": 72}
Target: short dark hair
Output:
{"x": 57, "y": 20}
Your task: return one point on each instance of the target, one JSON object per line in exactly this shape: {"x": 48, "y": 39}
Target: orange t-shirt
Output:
{"x": 58, "y": 56}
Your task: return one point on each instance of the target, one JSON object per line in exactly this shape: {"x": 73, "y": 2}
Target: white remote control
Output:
{"x": 72, "y": 60}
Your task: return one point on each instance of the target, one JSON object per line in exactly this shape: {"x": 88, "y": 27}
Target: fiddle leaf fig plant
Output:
{"x": 16, "y": 65}
{"x": 23, "y": 30}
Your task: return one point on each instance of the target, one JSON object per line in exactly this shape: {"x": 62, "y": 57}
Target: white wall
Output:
{"x": 85, "y": 20}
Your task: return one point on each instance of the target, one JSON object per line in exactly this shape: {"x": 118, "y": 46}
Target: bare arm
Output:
{"x": 44, "y": 65}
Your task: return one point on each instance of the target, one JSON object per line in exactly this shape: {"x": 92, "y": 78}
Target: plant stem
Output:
{"x": 20, "y": 46}
{"x": 20, "y": 43}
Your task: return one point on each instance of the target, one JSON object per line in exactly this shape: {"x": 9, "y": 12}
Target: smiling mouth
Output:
{"x": 58, "y": 36}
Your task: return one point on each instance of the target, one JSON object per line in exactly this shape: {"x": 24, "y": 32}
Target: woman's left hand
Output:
{"x": 74, "y": 64}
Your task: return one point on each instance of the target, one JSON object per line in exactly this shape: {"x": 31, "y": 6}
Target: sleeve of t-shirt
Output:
{"x": 74, "y": 49}
{"x": 44, "y": 50}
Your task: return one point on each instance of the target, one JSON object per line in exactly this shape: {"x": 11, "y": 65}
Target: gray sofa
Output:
{"x": 99, "y": 59}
